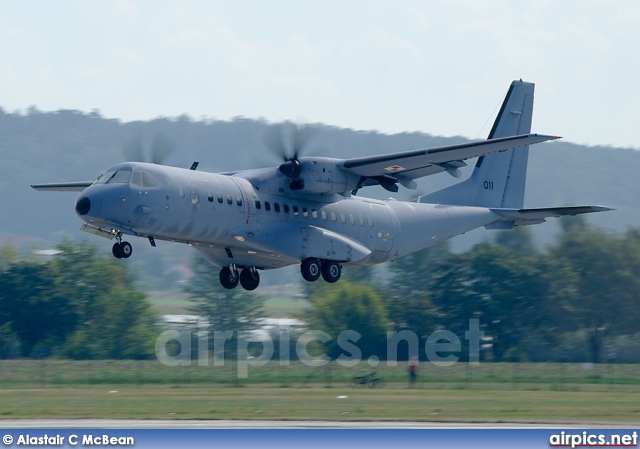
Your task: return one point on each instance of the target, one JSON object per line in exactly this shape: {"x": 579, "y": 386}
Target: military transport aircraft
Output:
{"x": 305, "y": 211}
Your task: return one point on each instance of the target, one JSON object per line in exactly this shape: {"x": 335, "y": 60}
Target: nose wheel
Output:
{"x": 122, "y": 250}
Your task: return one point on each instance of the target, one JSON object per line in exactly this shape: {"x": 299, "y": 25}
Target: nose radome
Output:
{"x": 83, "y": 205}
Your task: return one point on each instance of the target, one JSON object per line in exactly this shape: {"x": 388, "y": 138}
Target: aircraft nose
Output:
{"x": 88, "y": 205}
{"x": 83, "y": 206}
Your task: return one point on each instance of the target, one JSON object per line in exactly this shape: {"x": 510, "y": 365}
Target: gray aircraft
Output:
{"x": 305, "y": 211}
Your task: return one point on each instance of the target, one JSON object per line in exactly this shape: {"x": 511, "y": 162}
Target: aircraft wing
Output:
{"x": 521, "y": 217}
{"x": 406, "y": 166}
{"x": 63, "y": 186}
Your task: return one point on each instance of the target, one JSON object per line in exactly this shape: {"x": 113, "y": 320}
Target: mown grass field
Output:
{"x": 489, "y": 393}
{"x": 269, "y": 402}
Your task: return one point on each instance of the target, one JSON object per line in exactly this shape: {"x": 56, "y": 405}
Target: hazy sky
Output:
{"x": 441, "y": 67}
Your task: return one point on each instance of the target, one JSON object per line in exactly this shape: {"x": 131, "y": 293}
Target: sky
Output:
{"x": 440, "y": 67}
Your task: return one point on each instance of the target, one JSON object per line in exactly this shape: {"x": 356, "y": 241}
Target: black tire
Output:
{"x": 115, "y": 250}
{"x": 249, "y": 279}
{"x": 125, "y": 250}
{"x": 310, "y": 269}
{"x": 331, "y": 271}
{"x": 229, "y": 279}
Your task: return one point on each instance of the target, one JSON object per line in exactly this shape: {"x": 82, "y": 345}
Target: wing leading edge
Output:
{"x": 63, "y": 186}
{"x": 418, "y": 163}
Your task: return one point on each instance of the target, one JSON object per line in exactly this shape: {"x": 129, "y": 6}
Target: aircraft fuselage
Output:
{"x": 231, "y": 220}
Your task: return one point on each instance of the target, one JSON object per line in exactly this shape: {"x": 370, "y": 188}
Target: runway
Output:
{"x": 247, "y": 424}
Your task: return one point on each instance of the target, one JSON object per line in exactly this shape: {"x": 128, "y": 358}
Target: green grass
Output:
{"x": 493, "y": 393}
{"x": 318, "y": 403}
{"x": 501, "y": 376}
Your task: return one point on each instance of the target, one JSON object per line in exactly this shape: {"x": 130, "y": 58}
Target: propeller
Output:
{"x": 161, "y": 147}
{"x": 288, "y": 149}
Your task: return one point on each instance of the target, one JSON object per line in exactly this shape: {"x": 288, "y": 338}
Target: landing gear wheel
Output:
{"x": 122, "y": 250}
{"x": 126, "y": 250}
{"x": 229, "y": 278}
{"x": 115, "y": 250}
{"x": 310, "y": 269}
{"x": 331, "y": 271}
{"x": 249, "y": 278}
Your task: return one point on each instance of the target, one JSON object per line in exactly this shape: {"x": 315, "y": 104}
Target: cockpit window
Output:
{"x": 148, "y": 181}
{"x": 136, "y": 180}
{"x": 142, "y": 179}
{"x": 121, "y": 176}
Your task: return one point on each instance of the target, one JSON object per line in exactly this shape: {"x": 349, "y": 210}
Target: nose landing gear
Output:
{"x": 121, "y": 250}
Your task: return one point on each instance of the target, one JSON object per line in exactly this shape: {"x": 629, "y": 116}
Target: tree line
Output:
{"x": 74, "y": 305}
{"x": 578, "y": 301}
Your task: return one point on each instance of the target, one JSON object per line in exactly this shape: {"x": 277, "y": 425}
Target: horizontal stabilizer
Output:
{"x": 521, "y": 217}
{"x": 63, "y": 186}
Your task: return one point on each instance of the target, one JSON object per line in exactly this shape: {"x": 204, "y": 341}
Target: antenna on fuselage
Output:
{"x": 194, "y": 165}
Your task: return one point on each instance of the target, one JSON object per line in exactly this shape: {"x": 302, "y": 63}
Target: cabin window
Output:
{"x": 352, "y": 219}
{"x": 210, "y": 197}
{"x": 305, "y": 212}
{"x": 370, "y": 222}
{"x": 258, "y": 205}
{"x": 267, "y": 205}
{"x": 239, "y": 201}
{"x": 333, "y": 216}
{"x": 285, "y": 208}
{"x": 360, "y": 220}
{"x": 229, "y": 200}
{"x": 276, "y": 207}
{"x": 314, "y": 213}
{"x": 323, "y": 214}
{"x": 343, "y": 218}
{"x": 220, "y": 200}
{"x": 296, "y": 211}
{"x": 180, "y": 192}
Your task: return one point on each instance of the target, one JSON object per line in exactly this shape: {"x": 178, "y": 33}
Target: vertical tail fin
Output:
{"x": 498, "y": 180}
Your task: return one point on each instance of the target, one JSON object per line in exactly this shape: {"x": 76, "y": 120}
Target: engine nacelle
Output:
{"x": 322, "y": 175}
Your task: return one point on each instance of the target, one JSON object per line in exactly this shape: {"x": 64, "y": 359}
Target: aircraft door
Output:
{"x": 382, "y": 228}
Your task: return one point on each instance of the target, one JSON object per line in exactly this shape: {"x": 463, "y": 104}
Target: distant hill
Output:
{"x": 70, "y": 145}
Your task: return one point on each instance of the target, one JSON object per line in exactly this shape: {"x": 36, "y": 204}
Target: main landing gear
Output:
{"x": 249, "y": 278}
{"x": 312, "y": 268}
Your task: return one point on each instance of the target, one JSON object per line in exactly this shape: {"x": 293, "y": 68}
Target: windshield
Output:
{"x": 115, "y": 177}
